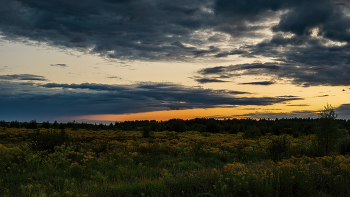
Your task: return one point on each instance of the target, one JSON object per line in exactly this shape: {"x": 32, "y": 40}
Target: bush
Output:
{"x": 278, "y": 148}
{"x": 146, "y": 132}
{"x": 48, "y": 140}
{"x": 100, "y": 146}
{"x": 172, "y": 134}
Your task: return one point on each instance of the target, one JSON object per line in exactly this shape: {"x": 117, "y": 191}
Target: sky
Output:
{"x": 120, "y": 60}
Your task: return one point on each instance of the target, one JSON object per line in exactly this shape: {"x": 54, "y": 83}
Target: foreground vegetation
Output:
{"x": 109, "y": 163}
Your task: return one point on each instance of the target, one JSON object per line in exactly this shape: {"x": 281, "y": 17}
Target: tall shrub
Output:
{"x": 278, "y": 148}
{"x": 327, "y": 133}
{"x": 42, "y": 141}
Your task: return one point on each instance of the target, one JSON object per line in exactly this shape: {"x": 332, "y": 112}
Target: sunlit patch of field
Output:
{"x": 123, "y": 163}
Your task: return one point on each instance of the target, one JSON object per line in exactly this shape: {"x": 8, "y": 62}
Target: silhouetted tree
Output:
{"x": 327, "y": 133}
{"x": 46, "y": 125}
{"x": 32, "y": 125}
{"x": 55, "y": 125}
{"x": 212, "y": 127}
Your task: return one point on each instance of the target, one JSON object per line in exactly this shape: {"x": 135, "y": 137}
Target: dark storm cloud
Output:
{"x": 174, "y": 30}
{"x": 116, "y": 29}
{"x": 216, "y": 74}
{"x": 303, "y": 58}
{"x": 329, "y": 18}
{"x": 251, "y": 10}
{"x": 312, "y": 63}
{"x": 196, "y": 52}
{"x": 129, "y": 29}
{"x": 23, "y": 77}
{"x": 303, "y": 66}
{"x": 174, "y": 8}
{"x": 52, "y": 100}
{"x": 59, "y": 65}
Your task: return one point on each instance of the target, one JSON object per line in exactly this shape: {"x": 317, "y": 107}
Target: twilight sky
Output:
{"x": 116, "y": 60}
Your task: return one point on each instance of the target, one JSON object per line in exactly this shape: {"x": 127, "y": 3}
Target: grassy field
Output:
{"x": 120, "y": 163}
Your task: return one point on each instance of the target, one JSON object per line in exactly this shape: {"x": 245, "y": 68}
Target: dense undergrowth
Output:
{"x": 52, "y": 162}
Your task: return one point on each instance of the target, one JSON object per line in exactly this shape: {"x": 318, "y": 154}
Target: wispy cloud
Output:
{"x": 273, "y": 115}
{"x": 59, "y": 65}
{"x": 23, "y": 77}
{"x": 264, "y": 83}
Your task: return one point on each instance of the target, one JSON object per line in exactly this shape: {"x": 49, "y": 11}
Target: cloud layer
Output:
{"x": 52, "y": 100}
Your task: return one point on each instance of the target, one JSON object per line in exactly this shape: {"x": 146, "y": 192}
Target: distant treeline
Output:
{"x": 250, "y": 127}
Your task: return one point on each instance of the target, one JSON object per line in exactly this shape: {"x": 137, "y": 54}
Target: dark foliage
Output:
{"x": 278, "y": 148}
{"x": 252, "y": 132}
{"x": 294, "y": 126}
{"x": 3, "y": 123}
{"x": 212, "y": 127}
{"x": 327, "y": 133}
{"x": 42, "y": 141}
{"x": 344, "y": 146}
{"x": 32, "y": 125}
{"x": 146, "y": 131}
{"x": 55, "y": 125}
{"x": 45, "y": 125}
{"x": 15, "y": 124}
{"x": 61, "y": 126}
{"x": 100, "y": 147}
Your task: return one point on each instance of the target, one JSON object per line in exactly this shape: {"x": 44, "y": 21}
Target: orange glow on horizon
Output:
{"x": 164, "y": 115}
{"x": 218, "y": 113}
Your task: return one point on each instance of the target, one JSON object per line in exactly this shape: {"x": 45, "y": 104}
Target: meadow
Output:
{"x": 80, "y": 162}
